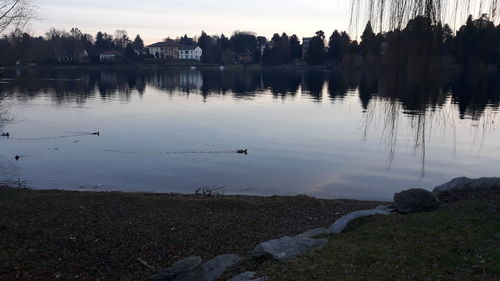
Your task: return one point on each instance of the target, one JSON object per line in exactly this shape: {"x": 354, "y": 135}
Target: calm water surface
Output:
{"x": 316, "y": 133}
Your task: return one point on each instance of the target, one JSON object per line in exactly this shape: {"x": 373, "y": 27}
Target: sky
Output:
{"x": 155, "y": 20}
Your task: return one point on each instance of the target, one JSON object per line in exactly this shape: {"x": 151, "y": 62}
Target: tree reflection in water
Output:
{"x": 428, "y": 103}
{"x": 391, "y": 106}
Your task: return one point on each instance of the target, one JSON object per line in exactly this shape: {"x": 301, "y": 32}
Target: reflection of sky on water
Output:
{"x": 174, "y": 131}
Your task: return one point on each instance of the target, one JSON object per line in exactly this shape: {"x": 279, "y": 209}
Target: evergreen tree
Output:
{"x": 186, "y": 41}
{"x": 279, "y": 52}
{"x": 243, "y": 41}
{"x": 224, "y": 42}
{"x": 271, "y": 54}
{"x": 130, "y": 54}
{"x": 138, "y": 43}
{"x": 296, "y": 47}
{"x": 204, "y": 42}
{"x": 316, "y": 53}
{"x": 104, "y": 42}
{"x": 447, "y": 41}
{"x": 261, "y": 41}
{"x": 284, "y": 49}
{"x": 214, "y": 51}
{"x": 369, "y": 44}
{"x": 338, "y": 46}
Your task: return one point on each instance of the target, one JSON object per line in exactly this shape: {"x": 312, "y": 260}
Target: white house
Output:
{"x": 164, "y": 50}
{"x": 109, "y": 55}
{"x": 190, "y": 53}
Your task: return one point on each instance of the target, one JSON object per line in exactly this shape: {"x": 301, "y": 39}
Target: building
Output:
{"x": 77, "y": 56}
{"x": 142, "y": 52}
{"x": 305, "y": 45}
{"x": 190, "y": 53}
{"x": 245, "y": 57}
{"x": 109, "y": 55}
{"x": 164, "y": 50}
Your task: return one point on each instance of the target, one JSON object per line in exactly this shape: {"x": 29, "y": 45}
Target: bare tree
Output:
{"x": 121, "y": 38}
{"x": 16, "y": 13}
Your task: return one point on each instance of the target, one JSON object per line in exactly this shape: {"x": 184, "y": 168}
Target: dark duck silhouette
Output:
{"x": 17, "y": 157}
{"x": 241, "y": 151}
{"x": 96, "y": 133}
{"x": 6, "y": 134}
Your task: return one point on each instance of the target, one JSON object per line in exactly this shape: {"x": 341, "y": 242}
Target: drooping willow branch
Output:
{"x": 395, "y": 14}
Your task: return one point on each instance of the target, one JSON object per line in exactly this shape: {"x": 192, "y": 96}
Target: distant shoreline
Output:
{"x": 165, "y": 66}
{"x": 195, "y": 66}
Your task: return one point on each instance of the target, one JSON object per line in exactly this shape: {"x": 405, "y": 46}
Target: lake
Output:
{"x": 323, "y": 134}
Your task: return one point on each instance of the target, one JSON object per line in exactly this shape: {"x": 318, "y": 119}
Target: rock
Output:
{"x": 466, "y": 183}
{"x": 247, "y": 276}
{"x": 188, "y": 269}
{"x": 342, "y": 223}
{"x": 287, "y": 247}
{"x": 313, "y": 233}
{"x": 214, "y": 268}
{"x": 415, "y": 201}
{"x": 191, "y": 269}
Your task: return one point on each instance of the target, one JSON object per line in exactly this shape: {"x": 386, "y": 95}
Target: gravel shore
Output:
{"x": 63, "y": 235}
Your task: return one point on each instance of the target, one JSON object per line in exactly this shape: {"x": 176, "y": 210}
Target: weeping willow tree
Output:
{"x": 395, "y": 14}
{"x": 413, "y": 29}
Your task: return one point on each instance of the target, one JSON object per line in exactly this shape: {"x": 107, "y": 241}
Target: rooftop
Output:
{"x": 163, "y": 44}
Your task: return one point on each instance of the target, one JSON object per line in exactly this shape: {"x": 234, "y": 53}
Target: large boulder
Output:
{"x": 341, "y": 224}
{"x": 188, "y": 269}
{"x": 415, "y": 201}
{"x": 214, "y": 268}
{"x": 464, "y": 183}
{"x": 287, "y": 247}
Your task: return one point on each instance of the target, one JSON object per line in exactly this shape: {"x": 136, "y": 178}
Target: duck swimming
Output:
{"x": 6, "y": 134}
{"x": 95, "y": 134}
{"x": 17, "y": 157}
{"x": 241, "y": 151}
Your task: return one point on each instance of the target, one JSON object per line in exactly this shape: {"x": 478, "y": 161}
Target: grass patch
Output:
{"x": 459, "y": 242}
{"x": 60, "y": 235}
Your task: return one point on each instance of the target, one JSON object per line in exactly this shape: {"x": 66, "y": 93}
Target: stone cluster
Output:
{"x": 289, "y": 247}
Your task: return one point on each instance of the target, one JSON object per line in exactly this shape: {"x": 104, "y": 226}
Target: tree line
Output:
{"x": 61, "y": 46}
{"x": 422, "y": 41}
